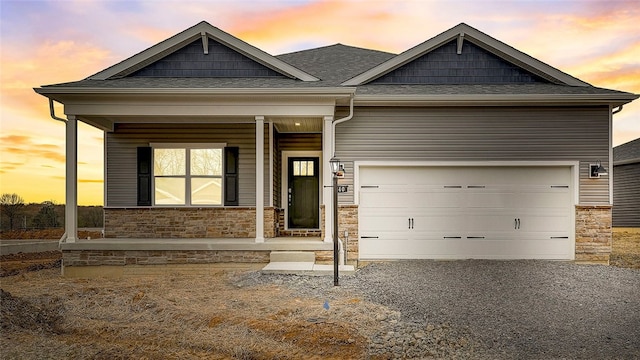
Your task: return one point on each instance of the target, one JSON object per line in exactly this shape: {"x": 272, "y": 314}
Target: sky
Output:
{"x": 52, "y": 41}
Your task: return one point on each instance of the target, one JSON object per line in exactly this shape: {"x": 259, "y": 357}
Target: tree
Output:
{"x": 10, "y": 206}
{"x": 92, "y": 217}
{"x": 47, "y": 216}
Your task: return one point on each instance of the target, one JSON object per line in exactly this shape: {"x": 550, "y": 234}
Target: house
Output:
{"x": 626, "y": 184}
{"x": 460, "y": 147}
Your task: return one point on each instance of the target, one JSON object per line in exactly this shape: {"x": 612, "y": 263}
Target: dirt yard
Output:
{"x": 46, "y": 316}
{"x": 626, "y": 248}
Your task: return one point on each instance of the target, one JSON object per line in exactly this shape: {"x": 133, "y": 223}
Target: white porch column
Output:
{"x": 259, "y": 179}
{"x": 327, "y": 177}
{"x": 71, "y": 180}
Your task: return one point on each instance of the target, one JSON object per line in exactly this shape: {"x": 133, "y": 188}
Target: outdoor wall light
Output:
{"x": 596, "y": 170}
{"x": 336, "y": 166}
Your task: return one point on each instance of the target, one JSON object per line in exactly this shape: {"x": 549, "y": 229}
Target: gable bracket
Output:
{"x": 460, "y": 40}
{"x": 205, "y": 42}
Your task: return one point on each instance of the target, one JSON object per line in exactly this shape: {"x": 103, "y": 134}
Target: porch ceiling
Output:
{"x": 299, "y": 124}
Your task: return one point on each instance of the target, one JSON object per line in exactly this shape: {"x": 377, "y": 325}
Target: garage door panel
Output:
{"x": 488, "y": 221}
{"x": 435, "y": 197}
{"x": 374, "y": 225}
{"x": 545, "y": 224}
{"x": 437, "y": 248}
{"x": 447, "y": 221}
{"x": 387, "y": 248}
{"x": 543, "y": 198}
{"x": 387, "y": 197}
{"x": 475, "y": 212}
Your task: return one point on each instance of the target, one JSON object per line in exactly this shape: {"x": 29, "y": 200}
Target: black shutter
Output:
{"x": 231, "y": 176}
{"x": 144, "y": 176}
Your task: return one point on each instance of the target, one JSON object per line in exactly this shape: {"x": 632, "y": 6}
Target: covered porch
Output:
{"x": 283, "y": 121}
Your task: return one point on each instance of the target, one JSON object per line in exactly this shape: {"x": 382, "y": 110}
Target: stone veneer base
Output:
{"x": 593, "y": 238}
{"x": 593, "y": 233}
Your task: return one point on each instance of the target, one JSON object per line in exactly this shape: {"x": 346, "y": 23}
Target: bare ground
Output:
{"x": 626, "y": 248}
{"x": 46, "y": 316}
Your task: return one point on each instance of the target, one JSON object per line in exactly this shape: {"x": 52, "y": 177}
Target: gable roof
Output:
{"x": 204, "y": 31}
{"x": 627, "y": 153}
{"x": 331, "y": 69}
{"x": 461, "y": 33}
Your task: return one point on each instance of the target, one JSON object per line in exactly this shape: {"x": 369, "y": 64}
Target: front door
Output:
{"x": 303, "y": 193}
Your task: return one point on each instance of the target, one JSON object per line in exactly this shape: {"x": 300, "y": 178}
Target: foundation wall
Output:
{"x": 204, "y": 223}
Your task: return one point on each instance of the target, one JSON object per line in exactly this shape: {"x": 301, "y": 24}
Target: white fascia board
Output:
{"x": 626, "y": 162}
{"x": 329, "y": 91}
{"x": 494, "y": 100}
{"x": 467, "y": 33}
{"x": 194, "y": 33}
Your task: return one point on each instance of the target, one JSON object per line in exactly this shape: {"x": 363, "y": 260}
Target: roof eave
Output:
{"x": 494, "y": 99}
{"x": 71, "y": 94}
{"x": 626, "y": 162}
{"x": 48, "y": 90}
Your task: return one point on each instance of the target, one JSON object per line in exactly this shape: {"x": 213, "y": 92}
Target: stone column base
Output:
{"x": 593, "y": 233}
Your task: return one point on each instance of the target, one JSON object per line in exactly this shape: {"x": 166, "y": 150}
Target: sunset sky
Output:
{"x": 54, "y": 41}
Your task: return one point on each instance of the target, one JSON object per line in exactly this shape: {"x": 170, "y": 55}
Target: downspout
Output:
{"x": 342, "y": 251}
{"x": 613, "y": 112}
{"x": 339, "y": 121}
{"x": 52, "y": 111}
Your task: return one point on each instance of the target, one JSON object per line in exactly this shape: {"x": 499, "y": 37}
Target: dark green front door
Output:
{"x": 303, "y": 193}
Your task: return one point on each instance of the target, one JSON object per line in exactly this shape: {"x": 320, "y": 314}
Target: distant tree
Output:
{"x": 10, "y": 206}
{"x": 91, "y": 217}
{"x": 47, "y": 216}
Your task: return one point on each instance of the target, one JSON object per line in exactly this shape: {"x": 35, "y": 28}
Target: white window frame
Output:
{"x": 187, "y": 177}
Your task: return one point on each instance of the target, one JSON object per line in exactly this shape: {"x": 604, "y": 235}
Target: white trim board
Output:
{"x": 284, "y": 183}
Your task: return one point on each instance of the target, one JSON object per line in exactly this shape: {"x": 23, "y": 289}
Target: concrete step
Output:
{"x": 292, "y": 256}
{"x": 305, "y": 268}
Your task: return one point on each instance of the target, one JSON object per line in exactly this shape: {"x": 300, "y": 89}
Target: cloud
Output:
{"x": 9, "y": 165}
{"x": 91, "y": 181}
{"x": 25, "y": 148}
{"x": 619, "y": 70}
{"x": 83, "y": 181}
{"x": 24, "y": 68}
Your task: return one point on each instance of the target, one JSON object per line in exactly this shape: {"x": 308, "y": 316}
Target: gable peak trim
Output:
{"x": 463, "y": 32}
{"x": 202, "y": 30}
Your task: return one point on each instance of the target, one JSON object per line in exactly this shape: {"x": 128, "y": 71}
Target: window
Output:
{"x": 187, "y": 175}
{"x": 303, "y": 168}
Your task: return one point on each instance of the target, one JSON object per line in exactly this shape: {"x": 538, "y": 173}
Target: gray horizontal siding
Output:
{"x": 626, "y": 195}
{"x": 121, "y": 176}
{"x": 481, "y": 134}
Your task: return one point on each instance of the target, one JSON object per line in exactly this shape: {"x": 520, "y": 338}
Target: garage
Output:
{"x": 466, "y": 212}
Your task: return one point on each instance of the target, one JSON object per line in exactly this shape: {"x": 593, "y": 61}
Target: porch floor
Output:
{"x": 220, "y": 244}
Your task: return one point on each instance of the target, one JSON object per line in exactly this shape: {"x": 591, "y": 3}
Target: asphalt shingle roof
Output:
{"x": 335, "y": 64}
{"x": 627, "y": 151}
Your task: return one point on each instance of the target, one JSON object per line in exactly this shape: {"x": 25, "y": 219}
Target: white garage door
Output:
{"x": 465, "y": 212}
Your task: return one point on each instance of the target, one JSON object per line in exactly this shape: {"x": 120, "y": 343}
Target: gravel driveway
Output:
{"x": 497, "y": 309}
